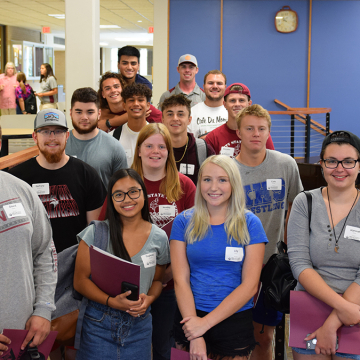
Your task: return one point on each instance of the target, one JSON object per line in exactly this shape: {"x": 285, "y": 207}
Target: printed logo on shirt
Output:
{"x": 218, "y": 120}
{"x": 59, "y": 203}
{"x": 9, "y": 222}
{"x": 260, "y": 200}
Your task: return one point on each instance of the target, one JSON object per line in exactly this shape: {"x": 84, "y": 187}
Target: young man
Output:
{"x": 27, "y": 262}
{"x": 224, "y": 139}
{"x": 210, "y": 114}
{"x": 112, "y": 110}
{"x": 136, "y": 102}
{"x": 70, "y": 190}
{"x": 189, "y": 152}
{"x": 187, "y": 68}
{"x": 87, "y": 142}
{"x": 129, "y": 64}
{"x": 271, "y": 181}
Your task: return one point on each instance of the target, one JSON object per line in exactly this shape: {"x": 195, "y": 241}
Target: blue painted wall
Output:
{"x": 271, "y": 64}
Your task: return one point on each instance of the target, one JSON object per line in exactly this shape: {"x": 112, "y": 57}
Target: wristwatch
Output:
{"x": 107, "y": 123}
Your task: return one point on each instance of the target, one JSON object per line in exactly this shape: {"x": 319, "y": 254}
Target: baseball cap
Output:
{"x": 188, "y": 58}
{"x": 341, "y": 137}
{"x": 50, "y": 117}
{"x": 245, "y": 90}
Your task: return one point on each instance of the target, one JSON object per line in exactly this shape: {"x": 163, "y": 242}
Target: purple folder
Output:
{"x": 308, "y": 313}
{"x": 108, "y": 271}
{"x": 179, "y": 355}
{"x": 17, "y": 337}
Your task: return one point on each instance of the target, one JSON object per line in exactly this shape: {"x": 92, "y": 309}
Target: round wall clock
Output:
{"x": 286, "y": 20}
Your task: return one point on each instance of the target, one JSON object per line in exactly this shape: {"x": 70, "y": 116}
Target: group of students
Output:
{"x": 14, "y": 90}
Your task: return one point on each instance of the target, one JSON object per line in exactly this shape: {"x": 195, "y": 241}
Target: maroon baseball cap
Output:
{"x": 245, "y": 90}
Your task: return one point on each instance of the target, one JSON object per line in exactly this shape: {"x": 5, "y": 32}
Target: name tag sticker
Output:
{"x": 149, "y": 260}
{"x": 273, "y": 184}
{"x": 227, "y": 151}
{"x": 187, "y": 169}
{"x": 235, "y": 254}
{"x": 352, "y": 232}
{"x": 14, "y": 210}
{"x": 41, "y": 189}
{"x": 167, "y": 210}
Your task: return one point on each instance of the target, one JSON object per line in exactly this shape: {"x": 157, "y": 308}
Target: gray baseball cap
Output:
{"x": 50, "y": 117}
{"x": 188, "y": 58}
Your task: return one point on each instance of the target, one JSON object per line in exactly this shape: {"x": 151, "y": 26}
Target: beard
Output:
{"x": 211, "y": 98}
{"x": 85, "y": 131}
{"x": 52, "y": 157}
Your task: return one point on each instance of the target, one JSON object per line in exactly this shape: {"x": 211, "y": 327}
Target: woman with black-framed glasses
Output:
{"x": 326, "y": 258}
{"x": 115, "y": 326}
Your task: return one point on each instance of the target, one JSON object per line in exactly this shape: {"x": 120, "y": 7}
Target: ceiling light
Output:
{"x": 131, "y": 39}
{"x": 103, "y": 44}
{"x": 110, "y": 27}
{"x": 139, "y": 20}
{"x": 57, "y": 16}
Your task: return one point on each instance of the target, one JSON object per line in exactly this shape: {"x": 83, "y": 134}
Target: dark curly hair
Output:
{"x": 175, "y": 100}
{"x": 136, "y": 89}
{"x": 108, "y": 75}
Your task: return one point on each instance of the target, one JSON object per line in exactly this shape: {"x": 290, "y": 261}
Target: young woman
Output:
{"x": 48, "y": 85}
{"x": 22, "y": 91}
{"x": 115, "y": 327}
{"x": 217, "y": 249}
{"x": 169, "y": 194}
{"x": 326, "y": 259}
{"x": 7, "y": 90}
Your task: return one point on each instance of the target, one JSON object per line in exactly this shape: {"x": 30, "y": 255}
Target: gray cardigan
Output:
{"x": 316, "y": 250}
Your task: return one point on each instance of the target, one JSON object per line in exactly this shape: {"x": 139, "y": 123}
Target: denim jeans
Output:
{"x": 163, "y": 312}
{"x": 114, "y": 334}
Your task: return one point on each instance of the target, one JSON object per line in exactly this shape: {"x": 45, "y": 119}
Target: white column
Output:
{"x": 82, "y": 55}
{"x": 160, "y": 46}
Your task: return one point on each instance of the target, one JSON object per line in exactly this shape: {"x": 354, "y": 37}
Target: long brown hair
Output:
{"x": 21, "y": 78}
{"x": 170, "y": 185}
{"x": 49, "y": 72}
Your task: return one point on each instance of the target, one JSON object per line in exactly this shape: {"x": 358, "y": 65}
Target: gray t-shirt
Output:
{"x": 103, "y": 152}
{"x": 315, "y": 250}
{"x": 48, "y": 85}
{"x": 157, "y": 242}
{"x": 269, "y": 187}
{"x": 27, "y": 255}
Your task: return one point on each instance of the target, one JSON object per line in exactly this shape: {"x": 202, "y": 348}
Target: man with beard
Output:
{"x": 210, "y": 114}
{"x": 70, "y": 190}
{"x": 87, "y": 142}
{"x": 187, "y": 68}
{"x": 224, "y": 138}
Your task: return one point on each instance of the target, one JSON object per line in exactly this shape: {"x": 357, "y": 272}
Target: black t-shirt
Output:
{"x": 72, "y": 190}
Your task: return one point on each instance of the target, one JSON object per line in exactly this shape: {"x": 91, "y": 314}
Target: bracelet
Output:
{"x": 107, "y": 123}
{"x": 107, "y": 301}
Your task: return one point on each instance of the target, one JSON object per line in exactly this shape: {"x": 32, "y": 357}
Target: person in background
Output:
{"x": 217, "y": 249}
{"x": 48, "y": 85}
{"x": 7, "y": 90}
{"x": 22, "y": 92}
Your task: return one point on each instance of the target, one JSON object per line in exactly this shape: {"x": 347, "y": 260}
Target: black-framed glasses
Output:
{"x": 346, "y": 163}
{"x": 133, "y": 194}
{"x": 57, "y": 132}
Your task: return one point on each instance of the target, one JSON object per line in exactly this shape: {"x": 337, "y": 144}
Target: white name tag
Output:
{"x": 187, "y": 169}
{"x": 14, "y": 210}
{"x": 273, "y": 184}
{"x": 234, "y": 254}
{"x": 352, "y": 232}
{"x": 227, "y": 151}
{"x": 149, "y": 260}
{"x": 167, "y": 210}
{"x": 41, "y": 189}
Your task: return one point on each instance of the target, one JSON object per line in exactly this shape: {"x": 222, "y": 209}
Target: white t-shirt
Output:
{"x": 206, "y": 118}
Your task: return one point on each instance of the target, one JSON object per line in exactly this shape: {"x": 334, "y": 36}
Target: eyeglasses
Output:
{"x": 133, "y": 194}
{"x": 47, "y": 133}
{"x": 346, "y": 164}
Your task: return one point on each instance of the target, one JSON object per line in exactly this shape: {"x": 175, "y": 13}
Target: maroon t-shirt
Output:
{"x": 225, "y": 137}
{"x": 189, "y": 165}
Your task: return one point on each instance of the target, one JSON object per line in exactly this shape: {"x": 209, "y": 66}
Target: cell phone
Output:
{"x": 311, "y": 344}
{"x": 126, "y": 286}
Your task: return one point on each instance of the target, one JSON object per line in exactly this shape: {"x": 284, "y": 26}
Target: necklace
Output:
{"x": 336, "y": 249}
{"x": 187, "y": 141}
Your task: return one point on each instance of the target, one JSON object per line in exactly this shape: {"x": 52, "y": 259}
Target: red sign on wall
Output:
{"x": 151, "y": 29}
{"x": 46, "y": 30}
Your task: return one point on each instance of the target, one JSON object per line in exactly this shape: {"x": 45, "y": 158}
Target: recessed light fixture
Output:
{"x": 131, "y": 39}
{"x": 139, "y": 20}
{"x": 110, "y": 27}
{"x": 103, "y": 44}
{"x": 57, "y": 16}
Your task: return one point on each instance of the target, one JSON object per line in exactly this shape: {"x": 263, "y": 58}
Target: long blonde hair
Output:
{"x": 235, "y": 222}
{"x": 170, "y": 185}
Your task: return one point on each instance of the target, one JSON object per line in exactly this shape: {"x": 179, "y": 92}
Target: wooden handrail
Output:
{"x": 18, "y": 157}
